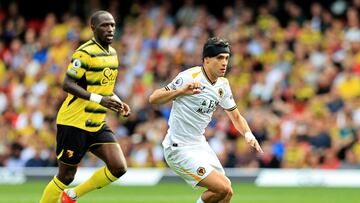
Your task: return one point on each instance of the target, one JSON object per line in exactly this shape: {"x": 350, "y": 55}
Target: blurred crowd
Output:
{"x": 295, "y": 75}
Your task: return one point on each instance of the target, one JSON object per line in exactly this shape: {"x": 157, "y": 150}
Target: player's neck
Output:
{"x": 102, "y": 45}
{"x": 213, "y": 78}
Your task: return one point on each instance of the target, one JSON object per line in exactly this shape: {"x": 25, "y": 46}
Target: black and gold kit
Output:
{"x": 95, "y": 70}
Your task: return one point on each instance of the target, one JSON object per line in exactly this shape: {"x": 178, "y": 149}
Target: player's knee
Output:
{"x": 230, "y": 193}
{"x": 225, "y": 191}
{"x": 66, "y": 177}
{"x": 118, "y": 171}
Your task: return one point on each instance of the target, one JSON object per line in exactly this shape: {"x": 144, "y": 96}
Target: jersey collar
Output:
{"x": 99, "y": 45}
{"x": 207, "y": 77}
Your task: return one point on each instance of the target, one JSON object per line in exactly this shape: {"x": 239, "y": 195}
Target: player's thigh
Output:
{"x": 215, "y": 181}
{"x": 192, "y": 164}
{"x": 111, "y": 154}
{"x": 105, "y": 146}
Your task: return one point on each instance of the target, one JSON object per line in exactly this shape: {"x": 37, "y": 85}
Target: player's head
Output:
{"x": 215, "y": 46}
{"x": 216, "y": 54}
{"x": 103, "y": 26}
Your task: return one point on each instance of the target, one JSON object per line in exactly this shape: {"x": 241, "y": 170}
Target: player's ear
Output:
{"x": 206, "y": 60}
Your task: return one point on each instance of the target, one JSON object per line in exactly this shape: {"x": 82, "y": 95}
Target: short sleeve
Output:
{"x": 179, "y": 81}
{"x": 78, "y": 65}
{"x": 228, "y": 102}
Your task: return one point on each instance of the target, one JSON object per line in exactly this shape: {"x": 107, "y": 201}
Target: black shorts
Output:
{"x": 73, "y": 143}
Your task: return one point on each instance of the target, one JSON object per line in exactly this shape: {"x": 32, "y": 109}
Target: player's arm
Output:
{"x": 242, "y": 126}
{"x": 71, "y": 86}
{"x": 162, "y": 95}
{"x": 165, "y": 94}
{"x": 76, "y": 70}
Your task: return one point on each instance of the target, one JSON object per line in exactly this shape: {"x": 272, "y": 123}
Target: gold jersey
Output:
{"x": 95, "y": 70}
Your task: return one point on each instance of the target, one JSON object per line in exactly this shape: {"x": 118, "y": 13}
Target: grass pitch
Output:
{"x": 179, "y": 192}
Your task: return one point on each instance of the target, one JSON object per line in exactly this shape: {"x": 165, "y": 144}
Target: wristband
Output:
{"x": 115, "y": 97}
{"x": 249, "y": 135}
{"x": 95, "y": 98}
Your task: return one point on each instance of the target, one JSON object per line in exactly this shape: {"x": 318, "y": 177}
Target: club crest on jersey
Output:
{"x": 201, "y": 171}
{"x": 69, "y": 153}
{"x": 220, "y": 92}
{"x": 76, "y": 63}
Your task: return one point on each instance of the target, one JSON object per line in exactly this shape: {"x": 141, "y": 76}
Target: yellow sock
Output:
{"x": 102, "y": 177}
{"x": 52, "y": 191}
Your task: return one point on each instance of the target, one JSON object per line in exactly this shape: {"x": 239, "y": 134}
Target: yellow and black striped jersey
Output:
{"x": 95, "y": 69}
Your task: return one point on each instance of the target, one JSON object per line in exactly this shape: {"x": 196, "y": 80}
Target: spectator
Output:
{"x": 294, "y": 74}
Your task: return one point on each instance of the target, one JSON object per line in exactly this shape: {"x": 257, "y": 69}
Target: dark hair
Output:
{"x": 95, "y": 16}
{"x": 215, "y": 46}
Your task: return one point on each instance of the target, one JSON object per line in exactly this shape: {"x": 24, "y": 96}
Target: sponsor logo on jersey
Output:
{"x": 109, "y": 76}
{"x": 207, "y": 106}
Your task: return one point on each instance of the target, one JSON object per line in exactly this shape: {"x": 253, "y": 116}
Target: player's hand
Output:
{"x": 125, "y": 111}
{"x": 251, "y": 140}
{"x": 191, "y": 88}
{"x": 111, "y": 103}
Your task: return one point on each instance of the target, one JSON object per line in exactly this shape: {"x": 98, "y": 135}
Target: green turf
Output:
{"x": 181, "y": 193}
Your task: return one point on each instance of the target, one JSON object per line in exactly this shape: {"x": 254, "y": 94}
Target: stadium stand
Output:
{"x": 295, "y": 75}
